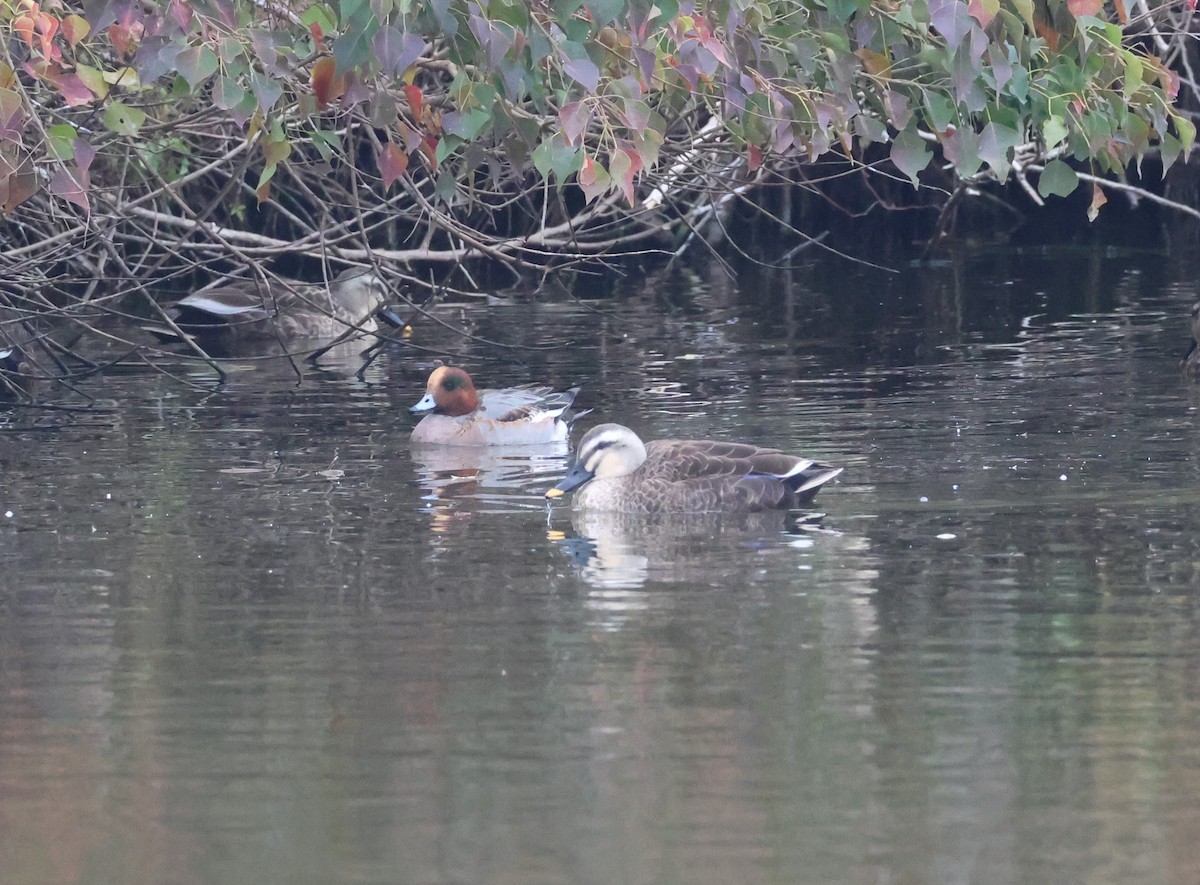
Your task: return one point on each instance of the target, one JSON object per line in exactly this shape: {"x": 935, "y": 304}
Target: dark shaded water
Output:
{"x": 251, "y": 636}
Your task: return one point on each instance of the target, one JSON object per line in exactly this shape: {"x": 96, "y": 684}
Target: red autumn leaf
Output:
{"x": 429, "y": 150}
{"x": 23, "y": 25}
{"x": 318, "y": 33}
{"x": 1098, "y": 201}
{"x": 416, "y": 100}
{"x": 1084, "y": 7}
{"x": 393, "y": 163}
{"x": 593, "y": 179}
{"x": 756, "y": 158}
{"x": 1122, "y": 12}
{"x": 75, "y": 28}
{"x": 120, "y": 38}
{"x": 1047, "y": 33}
{"x": 326, "y": 86}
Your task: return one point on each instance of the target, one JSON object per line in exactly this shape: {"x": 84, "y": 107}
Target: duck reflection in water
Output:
{"x": 466, "y": 471}
{"x": 626, "y": 550}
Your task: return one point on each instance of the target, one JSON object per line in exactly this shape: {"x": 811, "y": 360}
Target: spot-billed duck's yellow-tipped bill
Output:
{"x": 616, "y": 471}
{"x": 554, "y": 493}
{"x": 458, "y": 414}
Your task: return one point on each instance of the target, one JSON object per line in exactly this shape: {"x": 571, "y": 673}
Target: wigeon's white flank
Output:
{"x": 617, "y": 471}
{"x": 456, "y": 414}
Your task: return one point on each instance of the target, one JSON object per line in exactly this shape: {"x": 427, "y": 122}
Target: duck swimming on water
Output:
{"x": 287, "y": 310}
{"x": 615, "y": 471}
{"x": 457, "y": 414}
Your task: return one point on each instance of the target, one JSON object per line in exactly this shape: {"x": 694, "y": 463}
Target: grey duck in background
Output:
{"x": 618, "y": 472}
{"x": 247, "y": 311}
{"x": 1191, "y": 359}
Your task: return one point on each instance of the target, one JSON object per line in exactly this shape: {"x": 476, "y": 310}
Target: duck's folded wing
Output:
{"x": 687, "y": 459}
{"x": 530, "y": 403}
{"x": 227, "y": 302}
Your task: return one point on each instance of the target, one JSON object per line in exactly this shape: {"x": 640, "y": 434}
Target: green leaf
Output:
{"x": 320, "y": 15}
{"x": 1057, "y": 180}
{"x": 1169, "y": 150}
{"x": 910, "y": 154}
{"x": 1054, "y": 132}
{"x": 604, "y": 11}
{"x": 123, "y": 119}
{"x": 554, "y": 155}
{"x": 228, "y": 93}
{"x": 327, "y": 143}
{"x": 60, "y": 141}
{"x": 467, "y": 125}
{"x": 1187, "y": 131}
{"x": 196, "y": 64}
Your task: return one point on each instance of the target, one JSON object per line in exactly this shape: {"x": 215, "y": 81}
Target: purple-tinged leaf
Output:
{"x": 156, "y": 57}
{"x": 583, "y": 71}
{"x": 898, "y": 110}
{"x": 74, "y": 91}
{"x": 267, "y": 51}
{"x": 999, "y": 64}
{"x": 783, "y": 138}
{"x": 689, "y": 74}
{"x": 12, "y": 116}
{"x": 181, "y": 14}
{"x": 396, "y": 51}
{"x": 69, "y": 183}
{"x": 575, "y": 117}
{"x": 480, "y": 27}
{"x": 910, "y": 154}
{"x": 637, "y": 115}
{"x": 951, "y": 19}
{"x": 411, "y": 137}
{"x": 84, "y": 155}
{"x": 961, "y": 148}
{"x": 646, "y": 60}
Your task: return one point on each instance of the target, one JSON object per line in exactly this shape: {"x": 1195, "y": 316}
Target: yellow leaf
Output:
{"x": 125, "y": 77}
{"x": 93, "y": 79}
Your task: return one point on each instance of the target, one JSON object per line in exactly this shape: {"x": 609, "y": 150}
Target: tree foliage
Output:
{"x": 145, "y": 138}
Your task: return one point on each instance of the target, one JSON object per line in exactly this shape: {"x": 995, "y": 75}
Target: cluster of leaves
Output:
{"x": 449, "y": 114}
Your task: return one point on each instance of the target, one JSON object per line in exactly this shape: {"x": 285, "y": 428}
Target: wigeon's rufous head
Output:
{"x": 450, "y": 391}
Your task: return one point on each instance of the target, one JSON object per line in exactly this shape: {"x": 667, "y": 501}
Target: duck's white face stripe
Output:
{"x": 606, "y": 454}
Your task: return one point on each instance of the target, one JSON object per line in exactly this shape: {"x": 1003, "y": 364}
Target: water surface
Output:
{"x": 248, "y": 634}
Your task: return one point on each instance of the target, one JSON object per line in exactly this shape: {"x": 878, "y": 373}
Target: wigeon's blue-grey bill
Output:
{"x": 424, "y": 404}
{"x": 576, "y": 476}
